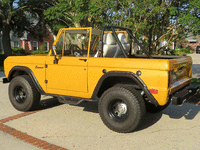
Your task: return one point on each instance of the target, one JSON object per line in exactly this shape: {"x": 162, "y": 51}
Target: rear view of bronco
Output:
{"x": 109, "y": 66}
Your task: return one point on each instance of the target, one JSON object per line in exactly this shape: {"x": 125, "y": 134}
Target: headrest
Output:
{"x": 104, "y": 37}
{"x": 110, "y": 39}
{"x": 122, "y": 38}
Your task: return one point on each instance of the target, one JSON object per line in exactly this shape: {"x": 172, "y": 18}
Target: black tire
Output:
{"x": 155, "y": 109}
{"x": 121, "y": 109}
{"x": 23, "y": 94}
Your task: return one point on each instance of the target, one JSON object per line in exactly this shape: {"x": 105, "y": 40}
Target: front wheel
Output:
{"x": 23, "y": 94}
{"x": 121, "y": 109}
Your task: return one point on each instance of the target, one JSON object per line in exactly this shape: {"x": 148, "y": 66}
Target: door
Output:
{"x": 68, "y": 76}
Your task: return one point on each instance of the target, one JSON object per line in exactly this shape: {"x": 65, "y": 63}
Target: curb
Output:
{"x": 25, "y": 137}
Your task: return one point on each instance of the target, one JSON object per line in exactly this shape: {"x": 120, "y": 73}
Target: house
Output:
{"x": 192, "y": 41}
{"x": 31, "y": 43}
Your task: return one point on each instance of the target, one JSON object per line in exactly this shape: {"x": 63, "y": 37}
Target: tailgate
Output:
{"x": 180, "y": 73}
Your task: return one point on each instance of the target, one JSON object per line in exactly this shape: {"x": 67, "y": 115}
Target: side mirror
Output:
{"x": 55, "y": 61}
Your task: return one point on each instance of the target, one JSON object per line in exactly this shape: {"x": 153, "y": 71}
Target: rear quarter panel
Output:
{"x": 155, "y": 73}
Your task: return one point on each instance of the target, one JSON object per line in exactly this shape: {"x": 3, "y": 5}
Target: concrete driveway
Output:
{"x": 80, "y": 127}
{"x": 196, "y": 65}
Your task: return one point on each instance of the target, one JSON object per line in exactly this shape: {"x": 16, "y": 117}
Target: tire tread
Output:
{"x": 134, "y": 95}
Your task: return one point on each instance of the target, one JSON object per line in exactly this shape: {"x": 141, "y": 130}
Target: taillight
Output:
{"x": 174, "y": 77}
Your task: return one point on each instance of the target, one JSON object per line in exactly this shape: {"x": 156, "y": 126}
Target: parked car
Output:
{"x": 198, "y": 50}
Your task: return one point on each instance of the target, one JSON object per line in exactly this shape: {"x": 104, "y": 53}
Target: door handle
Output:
{"x": 83, "y": 60}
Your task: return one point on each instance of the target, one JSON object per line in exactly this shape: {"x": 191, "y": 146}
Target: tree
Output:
{"x": 152, "y": 21}
{"x": 9, "y": 17}
{"x": 189, "y": 15}
{"x": 17, "y": 16}
{"x": 79, "y": 13}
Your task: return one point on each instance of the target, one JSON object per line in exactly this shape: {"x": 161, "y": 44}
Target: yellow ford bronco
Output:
{"x": 109, "y": 66}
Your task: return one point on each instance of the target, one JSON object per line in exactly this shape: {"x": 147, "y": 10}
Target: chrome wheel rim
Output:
{"x": 118, "y": 110}
{"x": 19, "y": 94}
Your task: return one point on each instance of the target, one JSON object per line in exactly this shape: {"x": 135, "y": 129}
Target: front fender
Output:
{"x": 28, "y": 71}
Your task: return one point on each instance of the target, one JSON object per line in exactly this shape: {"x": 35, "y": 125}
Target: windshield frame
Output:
{"x": 68, "y": 29}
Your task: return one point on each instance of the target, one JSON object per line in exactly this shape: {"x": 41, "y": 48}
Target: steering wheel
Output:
{"x": 75, "y": 50}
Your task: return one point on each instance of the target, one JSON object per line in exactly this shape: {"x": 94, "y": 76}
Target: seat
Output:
{"x": 125, "y": 44}
{"x": 109, "y": 48}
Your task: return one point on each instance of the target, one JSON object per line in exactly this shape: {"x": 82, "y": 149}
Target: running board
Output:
{"x": 72, "y": 100}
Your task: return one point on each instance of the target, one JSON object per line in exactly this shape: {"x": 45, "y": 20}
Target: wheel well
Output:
{"x": 17, "y": 73}
{"x": 112, "y": 81}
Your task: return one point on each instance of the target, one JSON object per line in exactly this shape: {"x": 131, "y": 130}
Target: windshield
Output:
{"x": 73, "y": 42}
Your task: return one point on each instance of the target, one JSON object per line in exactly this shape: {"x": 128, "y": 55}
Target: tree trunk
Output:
{"x": 6, "y": 40}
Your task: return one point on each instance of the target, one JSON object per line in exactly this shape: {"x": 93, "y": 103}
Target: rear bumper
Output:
{"x": 184, "y": 94}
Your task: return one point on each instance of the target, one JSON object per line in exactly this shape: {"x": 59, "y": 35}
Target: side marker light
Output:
{"x": 153, "y": 91}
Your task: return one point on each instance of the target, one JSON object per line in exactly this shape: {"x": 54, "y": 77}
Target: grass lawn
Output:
{"x": 196, "y": 81}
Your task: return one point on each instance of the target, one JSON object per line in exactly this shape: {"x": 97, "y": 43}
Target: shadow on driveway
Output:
{"x": 187, "y": 110}
{"x": 149, "y": 120}
{"x": 48, "y": 103}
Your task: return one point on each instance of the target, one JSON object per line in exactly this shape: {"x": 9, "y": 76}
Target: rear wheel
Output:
{"x": 121, "y": 109}
{"x": 23, "y": 94}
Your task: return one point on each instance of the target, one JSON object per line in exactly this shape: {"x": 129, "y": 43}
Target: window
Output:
{"x": 35, "y": 45}
{"x": 16, "y": 44}
{"x": 46, "y": 45}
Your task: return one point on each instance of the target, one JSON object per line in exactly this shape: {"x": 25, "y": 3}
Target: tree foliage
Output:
{"x": 79, "y": 13}
{"x": 152, "y": 21}
{"x": 189, "y": 16}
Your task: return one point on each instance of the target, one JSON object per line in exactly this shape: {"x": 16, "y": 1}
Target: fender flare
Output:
{"x": 130, "y": 75}
{"x": 30, "y": 73}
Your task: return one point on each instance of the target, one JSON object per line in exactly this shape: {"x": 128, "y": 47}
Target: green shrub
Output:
{"x": 190, "y": 49}
{"x": 41, "y": 50}
{"x": 182, "y": 51}
{"x": 18, "y": 51}
{"x": 195, "y": 81}
{"x": 173, "y": 52}
{"x": 1, "y": 68}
